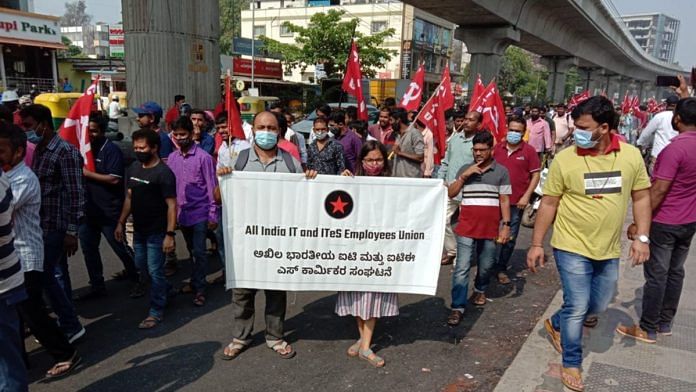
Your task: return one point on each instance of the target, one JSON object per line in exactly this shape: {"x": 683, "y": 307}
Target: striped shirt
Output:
{"x": 11, "y": 275}
{"x": 479, "y": 213}
{"x": 26, "y": 203}
{"x": 59, "y": 169}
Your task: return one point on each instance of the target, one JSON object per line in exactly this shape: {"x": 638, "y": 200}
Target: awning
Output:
{"x": 27, "y": 42}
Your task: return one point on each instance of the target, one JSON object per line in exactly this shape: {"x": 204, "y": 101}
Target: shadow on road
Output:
{"x": 173, "y": 366}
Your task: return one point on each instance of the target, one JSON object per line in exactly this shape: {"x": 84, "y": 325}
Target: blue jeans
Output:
{"x": 588, "y": 287}
{"x": 149, "y": 257}
{"x": 466, "y": 248}
{"x": 13, "y": 373}
{"x": 56, "y": 282}
{"x": 506, "y": 250}
{"x": 196, "y": 237}
{"x": 90, "y": 238}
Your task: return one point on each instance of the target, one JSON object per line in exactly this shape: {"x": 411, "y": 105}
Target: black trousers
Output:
{"x": 664, "y": 273}
{"x": 44, "y": 328}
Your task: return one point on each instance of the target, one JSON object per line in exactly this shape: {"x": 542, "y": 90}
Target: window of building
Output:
{"x": 378, "y": 26}
{"x": 259, "y": 31}
{"x": 285, "y": 31}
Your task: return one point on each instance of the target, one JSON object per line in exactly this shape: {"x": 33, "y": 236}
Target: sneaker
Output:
{"x": 637, "y": 333}
{"x": 137, "y": 291}
{"x": 664, "y": 329}
{"x": 74, "y": 336}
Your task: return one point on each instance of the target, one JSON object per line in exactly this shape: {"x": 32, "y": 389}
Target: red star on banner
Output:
{"x": 339, "y": 205}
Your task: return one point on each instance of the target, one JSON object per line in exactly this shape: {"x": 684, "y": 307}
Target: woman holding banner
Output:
{"x": 367, "y": 307}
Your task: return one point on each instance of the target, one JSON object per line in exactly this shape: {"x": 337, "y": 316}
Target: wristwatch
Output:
{"x": 171, "y": 233}
{"x": 644, "y": 239}
{"x": 506, "y": 223}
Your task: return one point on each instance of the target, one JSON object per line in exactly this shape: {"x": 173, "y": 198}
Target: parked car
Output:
{"x": 305, "y": 126}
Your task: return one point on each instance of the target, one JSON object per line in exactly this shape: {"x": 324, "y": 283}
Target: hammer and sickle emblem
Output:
{"x": 413, "y": 93}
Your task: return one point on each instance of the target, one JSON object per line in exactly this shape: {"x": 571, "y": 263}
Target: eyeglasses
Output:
{"x": 380, "y": 160}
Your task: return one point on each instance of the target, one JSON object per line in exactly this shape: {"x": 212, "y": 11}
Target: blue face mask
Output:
{"x": 33, "y": 137}
{"x": 583, "y": 139}
{"x": 266, "y": 140}
{"x": 514, "y": 137}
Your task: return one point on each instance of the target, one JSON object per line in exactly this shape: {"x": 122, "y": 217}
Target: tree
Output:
{"x": 75, "y": 14}
{"x": 230, "y": 22}
{"x": 326, "y": 40}
{"x": 72, "y": 51}
{"x": 519, "y": 76}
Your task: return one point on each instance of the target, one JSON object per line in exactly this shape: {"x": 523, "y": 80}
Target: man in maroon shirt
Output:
{"x": 383, "y": 128}
{"x": 522, "y": 163}
{"x": 173, "y": 112}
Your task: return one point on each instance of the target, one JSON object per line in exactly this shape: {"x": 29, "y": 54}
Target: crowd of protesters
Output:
{"x": 168, "y": 181}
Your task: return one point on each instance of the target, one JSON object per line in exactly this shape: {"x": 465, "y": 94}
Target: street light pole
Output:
{"x": 253, "y": 39}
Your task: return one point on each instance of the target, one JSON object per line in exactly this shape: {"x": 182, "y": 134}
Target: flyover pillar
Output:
{"x": 486, "y": 47}
{"x": 558, "y": 68}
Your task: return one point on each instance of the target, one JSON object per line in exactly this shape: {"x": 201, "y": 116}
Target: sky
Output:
{"x": 109, "y": 11}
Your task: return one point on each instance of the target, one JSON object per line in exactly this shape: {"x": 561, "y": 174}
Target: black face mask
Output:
{"x": 335, "y": 130}
{"x": 143, "y": 157}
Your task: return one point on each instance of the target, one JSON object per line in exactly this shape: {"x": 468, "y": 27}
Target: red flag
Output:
{"x": 444, "y": 91}
{"x": 75, "y": 128}
{"x": 412, "y": 98}
{"x": 577, "y": 98}
{"x": 490, "y": 105}
{"x": 478, "y": 90}
{"x": 652, "y": 105}
{"x": 635, "y": 103}
{"x": 234, "y": 119}
{"x": 626, "y": 104}
{"x": 433, "y": 117}
{"x": 352, "y": 81}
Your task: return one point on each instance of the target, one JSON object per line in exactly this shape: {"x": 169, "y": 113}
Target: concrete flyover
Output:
{"x": 587, "y": 34}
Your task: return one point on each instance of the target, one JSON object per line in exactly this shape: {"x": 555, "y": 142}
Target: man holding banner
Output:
{"x": 263, "y": 156}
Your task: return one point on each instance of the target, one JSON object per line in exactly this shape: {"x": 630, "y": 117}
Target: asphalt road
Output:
{"x": 422, "y": 352}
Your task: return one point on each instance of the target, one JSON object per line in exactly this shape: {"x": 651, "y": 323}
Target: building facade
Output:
{"x": 92, "y": 39}
{"x": 28, "y": 44}
{"x": 418, "y": 36}
{"x": 657, "y": 34}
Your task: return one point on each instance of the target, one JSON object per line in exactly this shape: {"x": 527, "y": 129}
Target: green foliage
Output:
{"x": 230, "y": 22}
{"x": 72, "y": 51}
{"x": 572, "y": 80}
{"x": 519, "y": 76}
{"x": 326, "y": 39}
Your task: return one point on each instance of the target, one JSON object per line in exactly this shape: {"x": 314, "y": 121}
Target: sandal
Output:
{"x": 149, "y": 322}
{"x": 572, "y": 380}
{"x": 455, "y": 318}
{"x": 199, "y": 299}
{"x": 62, "y": 369}
{"x": 479, "y": 299}
{"x": 284, "y": 350}
{"x": 354, "y": 350}
{"x": 186, "y": 289}
{"x": 372, "y": 358}
{"x": 503, "y": 278}
{"x": 219, "y": 279}
{"x": 554, "y": 335}
{"x": 232, "y": 350}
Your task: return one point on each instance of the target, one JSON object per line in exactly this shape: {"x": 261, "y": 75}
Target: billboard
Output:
{"x": 116, "y": 40}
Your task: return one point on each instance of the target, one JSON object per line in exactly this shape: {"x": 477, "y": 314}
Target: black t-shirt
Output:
{"x": 149, "y": 189}
{"x": 104, "y": 202}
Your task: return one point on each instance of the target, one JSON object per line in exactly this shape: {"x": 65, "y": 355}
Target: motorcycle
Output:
{"x": 530, "y": 212}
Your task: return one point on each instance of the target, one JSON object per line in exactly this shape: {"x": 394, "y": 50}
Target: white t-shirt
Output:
{"x": 660, "y": 127}
{"x": 227, "y": 155}
{"x": 114, "y": 110}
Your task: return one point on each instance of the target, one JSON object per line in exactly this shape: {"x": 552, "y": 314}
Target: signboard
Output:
{"x": 406, "y": 60}
{"x": 243, "y": 46}
{"x": 262, "y": 69}
{"x": 16, "y": 26}
{"x": 343, "y": 239}
{"x": 116, "y": 41}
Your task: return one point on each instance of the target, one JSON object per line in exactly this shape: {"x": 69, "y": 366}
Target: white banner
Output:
{"x": 333, "y": 233}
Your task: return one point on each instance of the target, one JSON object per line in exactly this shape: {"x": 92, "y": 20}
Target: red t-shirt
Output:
{"x": 171, "y": 116}
{"x": 521, "y": 163}
{"x": 289, "y": 147}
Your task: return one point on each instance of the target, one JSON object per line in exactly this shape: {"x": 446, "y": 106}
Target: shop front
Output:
{"x": 28, "y": 44}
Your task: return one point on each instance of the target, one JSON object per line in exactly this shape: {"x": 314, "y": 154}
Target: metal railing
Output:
{"x": 23, "y": 85}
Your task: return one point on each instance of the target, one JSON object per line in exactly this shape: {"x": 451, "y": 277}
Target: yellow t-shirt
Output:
{"x": 594, "y": 192}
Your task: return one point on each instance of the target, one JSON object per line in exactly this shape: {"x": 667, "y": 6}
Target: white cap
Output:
{"x": 9, "y": 96}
